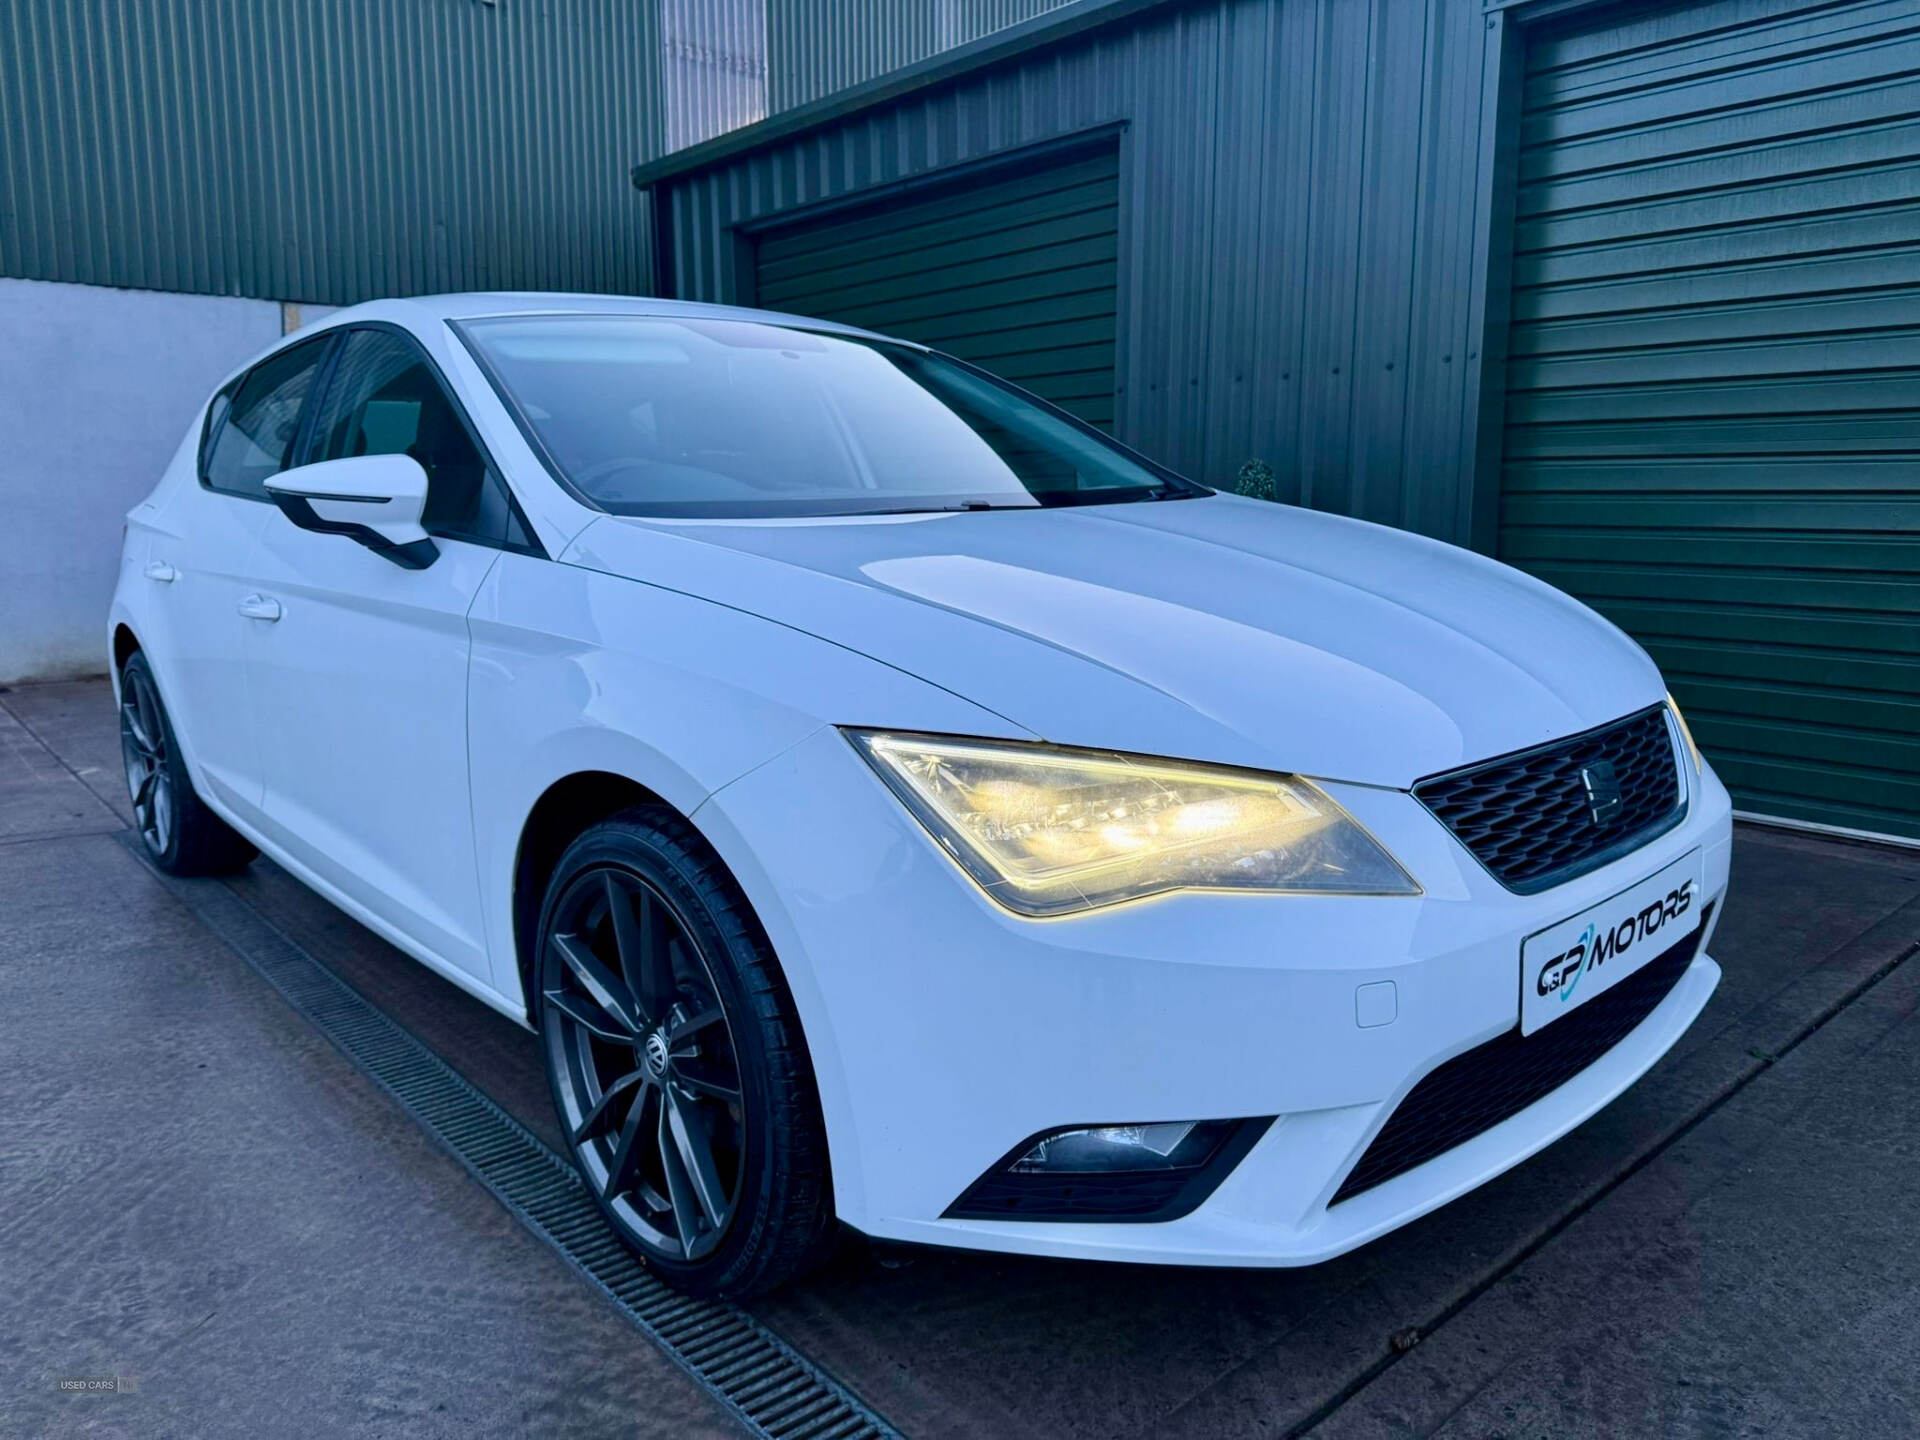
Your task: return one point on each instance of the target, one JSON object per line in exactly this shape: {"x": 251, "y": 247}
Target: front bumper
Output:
{"x": 943, "y": 1030}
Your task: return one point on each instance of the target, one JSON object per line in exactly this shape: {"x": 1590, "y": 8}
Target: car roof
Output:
{"x": 485, "y": 304}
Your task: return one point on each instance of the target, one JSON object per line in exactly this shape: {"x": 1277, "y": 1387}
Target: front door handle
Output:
{"x": 163, "y": 572}
{"x": 260, "y": 607}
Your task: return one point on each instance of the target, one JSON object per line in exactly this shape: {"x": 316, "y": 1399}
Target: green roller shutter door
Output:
{"x": 1713, "y": 409}
{"x": 1016, "y": 274}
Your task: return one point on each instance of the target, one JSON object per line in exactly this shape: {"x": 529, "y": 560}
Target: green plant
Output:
{"x": 1256, "y": 479}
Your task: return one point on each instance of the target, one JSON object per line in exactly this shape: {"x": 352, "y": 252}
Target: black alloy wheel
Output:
{"x": 670, "y": 1046}
{"x": 652, "y": 1104}
{"x": 144, "y": 748}
{"x": 181, "y": 834}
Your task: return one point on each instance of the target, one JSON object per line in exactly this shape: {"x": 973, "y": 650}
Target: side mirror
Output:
{"x": 375, "y": 499}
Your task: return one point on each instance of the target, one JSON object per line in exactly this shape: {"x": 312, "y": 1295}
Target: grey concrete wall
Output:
{"x": 96, "y": 388}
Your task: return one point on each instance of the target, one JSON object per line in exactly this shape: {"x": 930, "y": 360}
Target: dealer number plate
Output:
{"x": 1586, "y": 955}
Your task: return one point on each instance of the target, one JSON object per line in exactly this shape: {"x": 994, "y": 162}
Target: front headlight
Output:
{"x": 1048, "y": 831}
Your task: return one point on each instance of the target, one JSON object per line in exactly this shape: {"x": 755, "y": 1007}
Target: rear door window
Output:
{"x": 254, "y": 438}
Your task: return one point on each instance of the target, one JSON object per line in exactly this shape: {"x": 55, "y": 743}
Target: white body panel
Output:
{"x": 359, "y": 686}
{"x": 389, "y": 734}
{"x": 575, "y": 671}
{"x": 1222, "y": 629}
{"x": 188, "y": 582}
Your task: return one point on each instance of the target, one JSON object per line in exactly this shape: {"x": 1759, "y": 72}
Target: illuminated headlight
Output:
{"x": 1049, "y": 831}
{"x": 1686, "y": 733}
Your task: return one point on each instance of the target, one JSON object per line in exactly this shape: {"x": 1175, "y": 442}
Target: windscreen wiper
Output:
{"x": 969, "y": 505}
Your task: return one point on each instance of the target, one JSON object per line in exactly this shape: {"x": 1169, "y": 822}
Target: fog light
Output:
{"x": 1108, "y": 1149}
{"x": 1157, "y": 1170}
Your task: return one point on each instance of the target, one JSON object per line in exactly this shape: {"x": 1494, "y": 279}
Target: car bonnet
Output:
{"x": 1218, "y": 629}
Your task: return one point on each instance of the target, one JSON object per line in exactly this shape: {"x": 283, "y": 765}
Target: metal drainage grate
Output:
{"x": 774, "y": 1390}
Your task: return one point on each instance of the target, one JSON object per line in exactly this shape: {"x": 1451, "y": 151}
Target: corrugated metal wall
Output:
{"x": 817, "y": 47}
{"x": 1713, "y": 421}
{"x": 715, "y": 67}
{"x": 957, "y": 21}
{"x": 327, "y": 150}
{"x": 1015, "y": 273}
{"x": 1298, "y": 208}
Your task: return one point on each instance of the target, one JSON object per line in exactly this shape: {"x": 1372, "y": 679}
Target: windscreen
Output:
{"x": 674, "y": 416}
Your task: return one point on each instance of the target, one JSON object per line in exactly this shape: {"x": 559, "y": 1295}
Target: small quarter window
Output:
{"x": 216, "y": 415}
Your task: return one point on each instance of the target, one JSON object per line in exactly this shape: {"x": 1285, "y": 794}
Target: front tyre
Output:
{"x": 182, "y": 835}
{"x": 676, "y": 1060}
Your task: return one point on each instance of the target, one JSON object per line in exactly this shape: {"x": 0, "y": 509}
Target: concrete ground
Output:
{"x": 197, "y": 1191}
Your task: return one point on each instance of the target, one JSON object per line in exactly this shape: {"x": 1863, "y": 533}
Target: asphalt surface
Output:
{"x": 198, "y": 1192}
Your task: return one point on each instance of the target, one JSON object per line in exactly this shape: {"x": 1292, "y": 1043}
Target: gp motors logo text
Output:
{"x": 1595, "y": 947}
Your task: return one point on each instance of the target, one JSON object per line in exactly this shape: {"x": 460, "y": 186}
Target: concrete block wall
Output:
{"x": 97, "y": 386}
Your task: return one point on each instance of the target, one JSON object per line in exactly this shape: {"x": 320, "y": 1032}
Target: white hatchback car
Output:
{"x": 889, "y": 799}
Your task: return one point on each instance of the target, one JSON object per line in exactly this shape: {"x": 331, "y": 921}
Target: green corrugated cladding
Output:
{"x": 1713, "y": 414}
{"x": 817, "y": 47}
{"x": 327, "y": 150}
{"x": 1016, "y": 275}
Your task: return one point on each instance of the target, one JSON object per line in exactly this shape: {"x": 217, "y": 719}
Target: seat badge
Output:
{"x": 1603, "y": 791}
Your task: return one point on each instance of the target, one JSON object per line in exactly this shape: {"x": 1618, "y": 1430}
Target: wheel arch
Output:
{"x": 565, "y": 810}
{"x": 125, "y": 644}
{"x": 546, "y": 789}
{"x": 571, "y": 804}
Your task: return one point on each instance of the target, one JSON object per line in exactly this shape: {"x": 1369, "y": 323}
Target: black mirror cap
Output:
{"x": 413, "y": 555}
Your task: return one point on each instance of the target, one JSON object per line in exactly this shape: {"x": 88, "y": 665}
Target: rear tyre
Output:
{"x": 182, "y": 835}
{"x": 676, "y": 1060}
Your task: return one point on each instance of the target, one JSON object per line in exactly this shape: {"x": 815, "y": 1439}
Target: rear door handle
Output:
{"x": 260, "y": 607}
{"x": 163, "y": 572}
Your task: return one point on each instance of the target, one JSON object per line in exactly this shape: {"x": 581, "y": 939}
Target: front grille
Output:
{"x": 1533, "y": 819}
{"x": 1473, "y": 1092}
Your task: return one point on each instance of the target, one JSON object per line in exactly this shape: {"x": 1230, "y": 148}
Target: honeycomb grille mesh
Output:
{"x": 1472, "y": 1093}
{"x": 1529, "y": 818}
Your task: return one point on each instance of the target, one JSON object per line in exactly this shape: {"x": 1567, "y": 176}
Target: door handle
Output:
{"x": 163, "y": 572}
{"x": 260, "y": 607}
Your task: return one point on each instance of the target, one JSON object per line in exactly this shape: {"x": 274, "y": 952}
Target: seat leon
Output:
{"x": 893, "y": 803}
